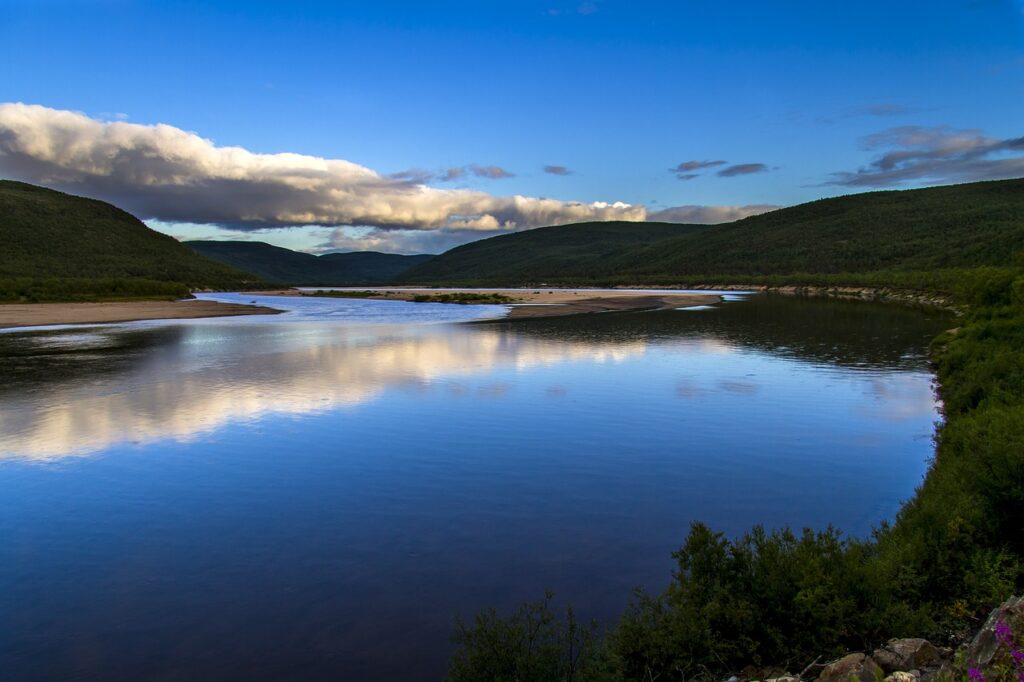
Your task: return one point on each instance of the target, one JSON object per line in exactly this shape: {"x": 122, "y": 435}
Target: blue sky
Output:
{"x": 786, "y": 94}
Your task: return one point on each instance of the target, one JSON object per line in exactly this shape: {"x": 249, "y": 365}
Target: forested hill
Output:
{"x": 284, "y": 266}
{"x": 561, "y": 252}
{"x": 956, "y": 226}
{"x": 61, "y": 238}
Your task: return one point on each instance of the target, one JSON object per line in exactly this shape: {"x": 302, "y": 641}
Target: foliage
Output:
{"x": 28, "y": 290}
{"x": 463, "y": 297}
{"x": 531, "y": 645}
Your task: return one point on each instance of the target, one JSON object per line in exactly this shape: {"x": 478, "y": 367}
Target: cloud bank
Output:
{"x": 935, "y": 155}
{"x": 165, "y": 173}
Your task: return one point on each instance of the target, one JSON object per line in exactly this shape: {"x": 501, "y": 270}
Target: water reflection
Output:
{"x": 317, "y": 500}
{"x": 145, "y": 385}
{"x": 73, "y": 392}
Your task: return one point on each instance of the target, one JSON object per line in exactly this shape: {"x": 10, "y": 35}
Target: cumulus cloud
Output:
{"x": 709, "y": 215}
{"x": 935, "y": 155}
{"x": 742, "y": 169}
{"x": 557, "y": 170}
{"x": 163, "y": 172}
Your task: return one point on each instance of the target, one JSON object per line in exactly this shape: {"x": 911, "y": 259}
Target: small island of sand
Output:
{"x": 527, "y": 303}
{"x": 41, "y": 314}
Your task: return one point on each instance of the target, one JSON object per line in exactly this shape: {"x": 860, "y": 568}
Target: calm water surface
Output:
{"x": 316, "y": 495}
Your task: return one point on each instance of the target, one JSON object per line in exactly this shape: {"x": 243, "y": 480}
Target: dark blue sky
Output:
{"x": 786, "y": 94}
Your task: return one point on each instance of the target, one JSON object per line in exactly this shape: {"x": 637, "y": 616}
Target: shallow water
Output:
{"x": 316, "y": 495}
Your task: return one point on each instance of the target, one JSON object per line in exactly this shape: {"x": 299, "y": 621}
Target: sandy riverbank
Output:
{"x": 39, "y": 314}
{"x": 532, "y": 303}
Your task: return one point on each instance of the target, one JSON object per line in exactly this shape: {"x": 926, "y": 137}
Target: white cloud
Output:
{"x": 179, "y": 182}
{"x": 165, "y": 173}
{"x": 709, "y": 215}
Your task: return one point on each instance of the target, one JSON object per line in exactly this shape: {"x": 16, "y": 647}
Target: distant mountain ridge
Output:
{"x": 954, "y": 226}
{"x": 283, "y": 266}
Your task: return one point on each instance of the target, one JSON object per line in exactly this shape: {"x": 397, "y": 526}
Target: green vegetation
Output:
{"x": 284, "y": 266}
{"x": 61, "y": 247}
{"x": 858, "y": 240}
{"x": 50, "y": 290}
{"x": 779, "y": 600}
{"x": 334, "y": 293}
{"x": 463, "y": 297}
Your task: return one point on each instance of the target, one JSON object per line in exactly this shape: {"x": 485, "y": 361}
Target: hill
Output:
{"x": 578, "y": 251}
{"x": 54, "y": 241}
{"x": 956, "y": 226}
{"x": 284, "y": 266}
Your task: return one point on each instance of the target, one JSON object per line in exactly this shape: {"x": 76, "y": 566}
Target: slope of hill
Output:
{"x": 280, "y": 265}
{"x": 956, "y": 226}
{"x": 578, "y": 251}
{"x": 56, "y": 237}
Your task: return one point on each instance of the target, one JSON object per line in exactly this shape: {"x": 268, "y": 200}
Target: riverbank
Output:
{"x": 42, "y": 314}
{"x": 528, "y": 303}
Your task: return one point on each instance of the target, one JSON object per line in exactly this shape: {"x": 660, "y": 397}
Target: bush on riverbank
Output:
{"x": 82, "y": 289}
{"x": 955, "y": 551}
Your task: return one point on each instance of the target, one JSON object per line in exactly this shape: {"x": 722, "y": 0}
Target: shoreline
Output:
{"x": 16, "y": 315}
{"x": 531, "y": 303}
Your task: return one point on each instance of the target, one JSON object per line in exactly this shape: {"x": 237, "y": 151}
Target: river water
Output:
{"x": 317, "y": 495}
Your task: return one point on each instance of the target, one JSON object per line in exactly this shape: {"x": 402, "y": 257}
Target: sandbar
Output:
{"x": 534, "y": 303}
{"x": 42, "y": 314}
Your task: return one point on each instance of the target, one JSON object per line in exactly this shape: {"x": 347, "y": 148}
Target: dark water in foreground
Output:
{"x": 310, "y": 498}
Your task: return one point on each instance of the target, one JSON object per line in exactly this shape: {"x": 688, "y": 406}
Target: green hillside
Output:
{"x": 284, "y": 266}
{"x": 957, "y": 226}
{"x": 57, "y": 245}
{"x": 579, "y": 251}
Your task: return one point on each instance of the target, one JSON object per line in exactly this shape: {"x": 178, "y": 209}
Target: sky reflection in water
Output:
{"x": 293, "y": 495}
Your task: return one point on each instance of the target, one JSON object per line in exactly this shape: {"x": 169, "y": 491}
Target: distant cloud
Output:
{"x": 742, "y": 169}
{"x": 709, "y": 215}
{"x": 557, "y": 170}
{"x": 165, "y": 173}
{"x": 690, "y": 166}
{"x": 688, "y": 170}
{"x": 491, "y": 172}
{"x": 685, "y": 170}
{"x": 888, "y": 109}
{"x": 452, "y": 174}
{"x": 583, "y": 9}
{"x": 935, "y": 155}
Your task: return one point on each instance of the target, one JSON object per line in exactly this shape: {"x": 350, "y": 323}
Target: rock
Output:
{"x": 986, "y": 650}
{"x": 906, "y": 654}
{"x": 902, "y": 676}
{"x": 944, "y": 673}
{"x": 784, "y": 678}
{"x": 852, "y": 668}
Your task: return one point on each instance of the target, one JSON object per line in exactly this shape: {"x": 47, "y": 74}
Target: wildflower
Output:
{"x": 976, "y": 675}
{"x": 1003, "y": 633}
